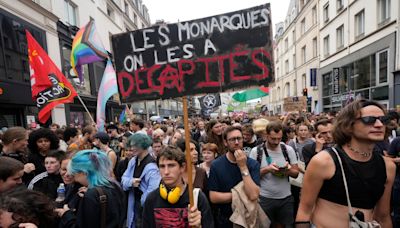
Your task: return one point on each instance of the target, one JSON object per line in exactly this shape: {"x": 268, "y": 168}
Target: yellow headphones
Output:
{"x": 172, "y": 196}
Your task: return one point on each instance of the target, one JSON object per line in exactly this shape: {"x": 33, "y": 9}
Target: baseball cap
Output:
{"x": 103, "y": 137}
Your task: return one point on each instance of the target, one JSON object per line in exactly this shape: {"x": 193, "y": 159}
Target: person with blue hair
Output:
{"x": 140, "y": 178}
{"x": 92, "y": 169}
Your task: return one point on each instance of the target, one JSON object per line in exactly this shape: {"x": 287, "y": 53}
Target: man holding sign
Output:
{"x": 168, "y": 205}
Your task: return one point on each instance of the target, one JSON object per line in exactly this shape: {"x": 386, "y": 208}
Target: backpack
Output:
{"x": 261, "y": 149}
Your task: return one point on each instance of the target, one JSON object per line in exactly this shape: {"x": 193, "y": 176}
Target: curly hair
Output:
{"x": 28, "y": 206}
{"x": 42, "y": 133}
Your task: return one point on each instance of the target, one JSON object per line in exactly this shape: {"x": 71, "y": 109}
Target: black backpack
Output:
{"x": 261, "y": 149}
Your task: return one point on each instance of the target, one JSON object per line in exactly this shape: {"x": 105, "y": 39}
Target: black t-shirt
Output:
{"x": 248, "y": 146}
{"x": 158, "y": 212}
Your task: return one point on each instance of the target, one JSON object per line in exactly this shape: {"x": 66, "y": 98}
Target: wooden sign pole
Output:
{"x": 189, "y": 164}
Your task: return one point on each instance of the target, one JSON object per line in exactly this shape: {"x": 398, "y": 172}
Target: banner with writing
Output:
{"x": 292, "y": 104}
{"x": 207, "y": 55}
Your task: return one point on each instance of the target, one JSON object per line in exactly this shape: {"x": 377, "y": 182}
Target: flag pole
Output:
{"x": 187, "y": 148}
{"x": 84, "y": 106}
{"x": 80, "y": 99}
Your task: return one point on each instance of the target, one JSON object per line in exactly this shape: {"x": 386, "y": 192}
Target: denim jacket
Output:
{"x": 150, "y": 180}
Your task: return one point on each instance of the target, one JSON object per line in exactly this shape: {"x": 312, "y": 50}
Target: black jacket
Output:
{"x": 88, "y": 214}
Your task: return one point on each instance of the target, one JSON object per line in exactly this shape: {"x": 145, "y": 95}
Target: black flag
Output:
{"x": 210, "y": 101}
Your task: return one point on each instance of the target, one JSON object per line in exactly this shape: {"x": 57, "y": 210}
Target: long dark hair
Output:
{"x": 213, "y": 138}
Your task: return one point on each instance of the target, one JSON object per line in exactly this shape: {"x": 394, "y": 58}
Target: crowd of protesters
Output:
{"x": 293, "y": 170}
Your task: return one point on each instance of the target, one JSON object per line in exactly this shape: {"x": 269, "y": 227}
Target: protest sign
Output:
{"x": 207, "y": 55}
{"x": 292, "y": 104}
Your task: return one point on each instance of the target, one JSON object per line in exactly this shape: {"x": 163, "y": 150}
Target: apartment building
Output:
{"x": 359, "y": 48}
{"x": 296, "y": 55}
{"x": 343, "y": 49}
{"x": 54, "y": 24}
{"x": 284, "y": 60}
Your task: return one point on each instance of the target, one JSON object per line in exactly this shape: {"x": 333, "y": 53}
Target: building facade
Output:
{"x": 54, "y": 24}
{"x": 296, "y": 56}
{"x": 359, "y": 50}
{"x": 344, "y": 49}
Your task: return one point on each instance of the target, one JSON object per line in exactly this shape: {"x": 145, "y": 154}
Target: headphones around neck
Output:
{"x": 172, "y": 196}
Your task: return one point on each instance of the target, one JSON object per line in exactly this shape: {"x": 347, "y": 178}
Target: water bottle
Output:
{"x": 60, "y": 196}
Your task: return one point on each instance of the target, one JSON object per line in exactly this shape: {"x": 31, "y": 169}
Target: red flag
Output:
{"x": 49, "y": 86}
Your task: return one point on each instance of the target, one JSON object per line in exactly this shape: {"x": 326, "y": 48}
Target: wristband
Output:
{"x": 302, "y": 224}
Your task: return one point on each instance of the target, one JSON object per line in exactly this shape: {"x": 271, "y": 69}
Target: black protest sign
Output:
{"x": 208, "y": 55}
{"x": 210, "y": 101}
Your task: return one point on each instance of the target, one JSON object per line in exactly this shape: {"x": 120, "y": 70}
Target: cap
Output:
{"x": 103, "y": 137}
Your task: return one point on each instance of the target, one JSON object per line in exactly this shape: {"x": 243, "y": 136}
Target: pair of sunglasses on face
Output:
{"x": 370, "y": 120}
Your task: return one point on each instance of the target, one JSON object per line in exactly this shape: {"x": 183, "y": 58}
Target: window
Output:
{"x": 303, "y": 26}
{"x": 110, "y": 12}
{"x": 315, "y": 47}
{"x": 294, "y": 36}
{"x": 287, "y": 89}
{"x": 287, "y": 66}
{"x": 339, "y": 5}
{"x": 286, "y": 44}
{"x": 314, "y": 15}
{"x": 326, "y": 45}
{"x": 359, "y": 26}
{"x": 70, "y": 12}
{"x": 295, "y": 87}
{"x": 277, "y": 53}
{"x": 301, "y": 4}
{"x": 279, "y": 93}
{"x": 14, "y": 63}
{"x": 383, "y": 69}
{"x": 135, "y": 19}
{"x": 383, "y": 10}
{"x": 326, "y": 12}
{"x": 126, "y": 9}
{"x": 277, "y": 72}
{"x": 304, "y": 81}
{"x": 340, "y": 37}
{"x": 303, "y": 55}
{"x": 294, "y": 61}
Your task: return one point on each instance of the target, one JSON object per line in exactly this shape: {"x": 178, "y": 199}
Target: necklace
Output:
{"x": 364, "y": 154}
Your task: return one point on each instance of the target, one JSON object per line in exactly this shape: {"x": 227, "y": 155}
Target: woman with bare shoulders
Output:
{"x": 369, "y": 176}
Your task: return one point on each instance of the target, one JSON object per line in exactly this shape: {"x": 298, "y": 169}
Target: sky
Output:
{"x": 172, "y": 11}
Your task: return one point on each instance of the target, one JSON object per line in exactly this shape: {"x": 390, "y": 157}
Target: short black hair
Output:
{"x": 57, "y": 154}
{"x": 69, "y": 133}
{"x": 138, "y": 122}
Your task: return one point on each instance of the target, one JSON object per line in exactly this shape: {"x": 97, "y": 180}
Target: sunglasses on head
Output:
{"x": 372, "y": 119}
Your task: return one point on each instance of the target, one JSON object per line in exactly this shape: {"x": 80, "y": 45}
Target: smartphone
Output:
{"x": 282, "y": 169}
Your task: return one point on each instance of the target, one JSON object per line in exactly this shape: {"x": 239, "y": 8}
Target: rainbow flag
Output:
{"x": 86, "y": 48}
{"x": 108, "y": 87}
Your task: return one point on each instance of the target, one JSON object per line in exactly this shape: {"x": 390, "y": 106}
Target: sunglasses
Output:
{"x": 370, "y": 120}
